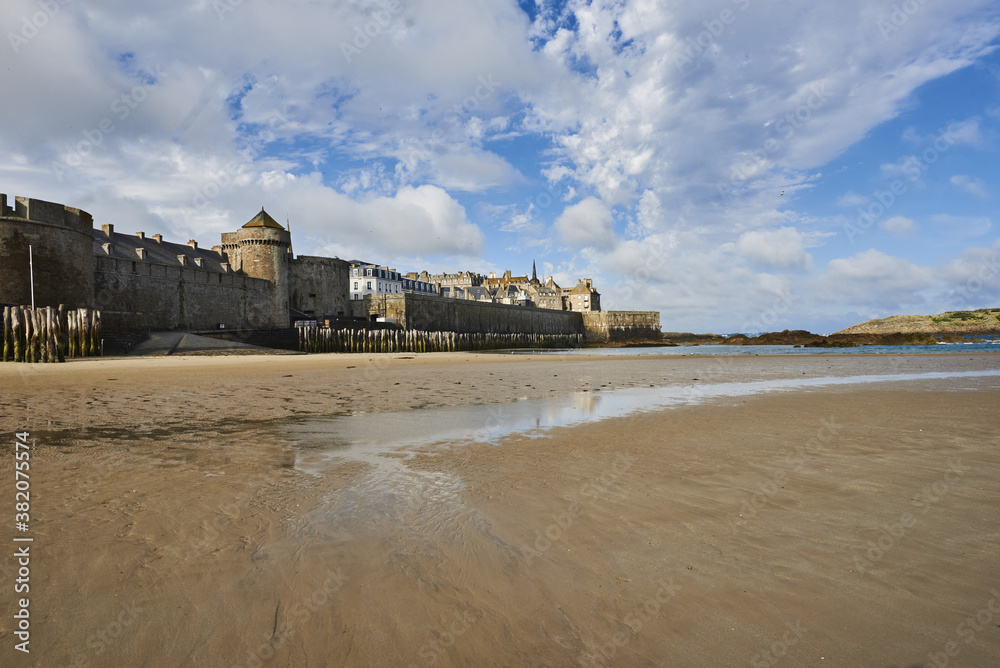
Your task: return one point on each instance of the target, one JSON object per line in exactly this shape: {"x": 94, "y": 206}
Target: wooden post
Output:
{"x": 60, "y": 332}
{"x": 7, "y": 343}
{"x": 30, "y": 337}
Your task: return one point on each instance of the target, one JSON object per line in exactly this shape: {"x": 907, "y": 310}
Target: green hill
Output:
{"x": 981, "y": 321}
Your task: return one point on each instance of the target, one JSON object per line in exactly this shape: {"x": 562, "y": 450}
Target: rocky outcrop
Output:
{"x": 984, "y": 321}
{"x": 806, "y": 339}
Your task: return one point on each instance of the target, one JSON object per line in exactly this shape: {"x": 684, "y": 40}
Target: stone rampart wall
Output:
{"x": 622, "y": 325}
{"x": 140, "y": 296}
{"x": 61, "y": 240}
{"x": 440, "y": 314}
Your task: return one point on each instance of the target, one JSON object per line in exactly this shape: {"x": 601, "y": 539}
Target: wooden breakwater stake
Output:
{"x": 50, "y": 334}
{"x": 328, "y": 340}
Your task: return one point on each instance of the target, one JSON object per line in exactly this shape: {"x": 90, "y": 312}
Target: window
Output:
{"x": 355, "y": 282}
{"x": 369, "y": 285}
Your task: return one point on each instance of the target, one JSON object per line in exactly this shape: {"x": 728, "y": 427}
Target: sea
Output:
{"x": 715, "y": 349}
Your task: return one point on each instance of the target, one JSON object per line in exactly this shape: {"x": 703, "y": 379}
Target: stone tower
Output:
{"x": 261, "y": 249}
{"x": 61, "y": 240}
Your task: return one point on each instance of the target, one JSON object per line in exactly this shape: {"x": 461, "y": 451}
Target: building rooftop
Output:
{"x": 262, "y": 219}
{"x": 155, "y": 249}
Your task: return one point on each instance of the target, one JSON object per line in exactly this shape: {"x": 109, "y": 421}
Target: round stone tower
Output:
{"x": 62, "y": 248}
{"x": 261, "y": 249}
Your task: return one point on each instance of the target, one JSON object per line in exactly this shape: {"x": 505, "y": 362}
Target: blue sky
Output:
{"x": 737, "y": 165}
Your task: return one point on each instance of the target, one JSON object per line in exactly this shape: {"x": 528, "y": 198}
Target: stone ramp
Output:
{"x": 183, "y": 343}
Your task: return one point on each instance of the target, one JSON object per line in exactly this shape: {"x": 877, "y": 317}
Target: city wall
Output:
{"x": 602, "y": 326}
{"x": 318, "y": 286}
{"x": 60, "y": 238}
{"x": 440, "y": 314}
{"x": 141, "y": 296}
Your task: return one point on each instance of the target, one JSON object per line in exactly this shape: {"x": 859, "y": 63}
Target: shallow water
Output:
{"x": 369, "y": 437}
{"x": 713, "y": 349}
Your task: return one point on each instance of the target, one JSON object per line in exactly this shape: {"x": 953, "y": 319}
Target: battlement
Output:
{"x": 48, "y": 213}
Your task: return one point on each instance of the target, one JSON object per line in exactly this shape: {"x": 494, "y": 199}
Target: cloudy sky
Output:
{"x": 738, "y": 165}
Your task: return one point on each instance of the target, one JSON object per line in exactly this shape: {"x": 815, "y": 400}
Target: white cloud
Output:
{"x": 473, "y": 171}
{"x": 971, "y": 185}
{"x": 874, "y": 279}
{"x": 898, "y": 225}
{"x": 775, "y": 249}
{"x": 851, "y": 199}
{"x": 589, "y": 223}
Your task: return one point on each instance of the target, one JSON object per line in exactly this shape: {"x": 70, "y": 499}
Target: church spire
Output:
{"x": 534, "y": 274}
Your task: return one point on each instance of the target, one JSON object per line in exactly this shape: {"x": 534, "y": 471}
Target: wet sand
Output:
{"x": 188, "y": 512}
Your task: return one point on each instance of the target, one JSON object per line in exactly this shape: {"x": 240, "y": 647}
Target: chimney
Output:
{"x": 217, "y": 249}
{"x": 158, "y": 238}
{"x": 141, "y": 235}
{"x": 193, "y": 244}
{"x": 108, "y": 229}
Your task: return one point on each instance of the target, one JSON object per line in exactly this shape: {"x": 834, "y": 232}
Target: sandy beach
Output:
{"x": 202, "y": 512}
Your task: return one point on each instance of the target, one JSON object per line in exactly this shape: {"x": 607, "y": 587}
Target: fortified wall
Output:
{"x": 604, "y": 326}
{"x": 60, "y": 240}
{"x": 249, "y": 282}
{"x": 421, "y": 312}
{"x": 319, "y": 285}
{"x": 145, "y": 283}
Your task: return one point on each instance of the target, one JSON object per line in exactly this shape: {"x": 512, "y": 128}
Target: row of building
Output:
{"x": 371, "y": 279}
